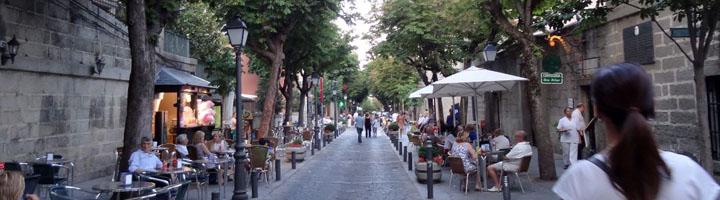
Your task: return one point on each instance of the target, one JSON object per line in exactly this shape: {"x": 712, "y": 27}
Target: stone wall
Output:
{"x": 675, "y": 124}
{"x": 49, "y": 99}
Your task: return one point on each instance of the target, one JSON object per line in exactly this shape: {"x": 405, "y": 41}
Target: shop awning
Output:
{"x": 168, "y": 79}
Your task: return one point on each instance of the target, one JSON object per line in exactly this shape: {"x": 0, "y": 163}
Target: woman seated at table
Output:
{"x": 429, "y": 134}
{"x": 451, "y": 138}
{"x": 499, "y": 141}
{"x": 202, "y": 151}
{"x": 181, "y": 147}
{"x": 219, "y": 145}
{"x": 467, "y": 153}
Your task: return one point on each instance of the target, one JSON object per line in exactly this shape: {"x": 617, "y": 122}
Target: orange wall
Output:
{"x": 249, "y": 81}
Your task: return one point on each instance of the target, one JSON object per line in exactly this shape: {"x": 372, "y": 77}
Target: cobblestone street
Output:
{"x": 348, "y": 170}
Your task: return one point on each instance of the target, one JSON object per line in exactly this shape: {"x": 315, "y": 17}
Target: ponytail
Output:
{"x": 635, "y": 163}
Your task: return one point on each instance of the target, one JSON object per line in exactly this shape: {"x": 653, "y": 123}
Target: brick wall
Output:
{"x": 49, "y": 99}
{"x": 675, "y": 124}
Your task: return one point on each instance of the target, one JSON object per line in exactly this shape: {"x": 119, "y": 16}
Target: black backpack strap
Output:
{"x": 600, "y": 164}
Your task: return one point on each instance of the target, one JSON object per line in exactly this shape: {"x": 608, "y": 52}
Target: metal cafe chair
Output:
{"x": 457, "y": 167}
{"x": 63, "y": 192}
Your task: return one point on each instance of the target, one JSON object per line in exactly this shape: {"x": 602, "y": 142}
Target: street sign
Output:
{"x": 551, "y": 78}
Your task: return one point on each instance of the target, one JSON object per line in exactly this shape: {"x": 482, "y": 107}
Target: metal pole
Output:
{"x": 429, "y": 174}
{"x": 277, "y": 170}
{"x": 292, "y": 159}
{"x": 410, "y": 161}
{"x": 400, "y": 148}
{"x": 254, "y": 183}
{"x": 405, "y": 154}
{"x": 335, "y": 107}
{"x": 240, "y": 173}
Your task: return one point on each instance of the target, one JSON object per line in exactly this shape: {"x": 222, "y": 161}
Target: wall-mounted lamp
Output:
{"x": 99, "y": 65}
{"x": 8, "y": 50}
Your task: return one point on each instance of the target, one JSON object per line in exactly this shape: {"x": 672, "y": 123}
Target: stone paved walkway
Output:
{"x": 348, "y": 170}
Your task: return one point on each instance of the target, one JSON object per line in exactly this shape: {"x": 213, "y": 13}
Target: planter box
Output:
{"x": 299, "y": 153}
{"x": 421, "y": 171}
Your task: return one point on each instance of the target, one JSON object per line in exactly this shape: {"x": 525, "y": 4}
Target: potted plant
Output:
{"x": 393, "y": 130}
{"x": 296, "y": 145}
{"x": 329, "y": 131}
{"x": 421, "y": 164}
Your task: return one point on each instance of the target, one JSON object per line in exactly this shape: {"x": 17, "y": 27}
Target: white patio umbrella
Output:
{"x": 421, "y": 92}
{"x": 473, "y": 81}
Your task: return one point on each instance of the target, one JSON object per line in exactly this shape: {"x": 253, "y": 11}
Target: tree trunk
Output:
{"x": 141, "y": 84}
{"x": 702, "y": 114}
{"x": 271, "y": 94}
{"x": 301, "y": 111}
{"x": 288, "y": 94}
{"x": 538, "y": 115}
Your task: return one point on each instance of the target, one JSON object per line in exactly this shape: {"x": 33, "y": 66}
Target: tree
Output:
{"x": 269, "y": 24}
{"x": 417, "y": 34}
{"x": 522, "y": 32}
{"x": 391, "y": 80}
{"x": 145, "y": 20}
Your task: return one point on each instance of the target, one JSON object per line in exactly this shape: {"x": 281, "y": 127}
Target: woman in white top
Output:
{"x": 499, "y": 141}
{"x": 218, "y": 145}
{"x": 632, "y": 167}
{"x": 375, "y": 125}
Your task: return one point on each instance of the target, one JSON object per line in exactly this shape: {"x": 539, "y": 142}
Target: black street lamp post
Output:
{"x": 237, "y": 33}
{"x": 315, "y": 79}
{"x": 335, "y": 107}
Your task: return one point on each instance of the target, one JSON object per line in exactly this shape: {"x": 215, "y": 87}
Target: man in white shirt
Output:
{"x": 520, "y": 150}
{"x": 577, "y": 116}
{"x": 143, "y": 159}
{"x": 181, "y": 146}
{"x": 568, "y": 138}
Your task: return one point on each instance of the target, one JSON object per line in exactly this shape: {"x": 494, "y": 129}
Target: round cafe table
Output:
{"x": 117, "y": 187}
{"x": 174, "y": 173}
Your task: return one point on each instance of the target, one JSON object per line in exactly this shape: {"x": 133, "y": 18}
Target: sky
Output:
{"x": 363, "y": 7}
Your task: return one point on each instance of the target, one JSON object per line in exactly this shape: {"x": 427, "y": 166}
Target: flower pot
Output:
{"x": 299, "y": 153}
{"x": 421, "y": 171}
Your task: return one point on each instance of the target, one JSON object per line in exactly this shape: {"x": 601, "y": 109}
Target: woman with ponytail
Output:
{"x": 632, "y": 167}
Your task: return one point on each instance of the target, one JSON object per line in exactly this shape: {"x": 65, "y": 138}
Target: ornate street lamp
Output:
{"x": 490, "y": 52}
{"x": 237, "y": 33}
{"x": 8, "y": 50}
{"x": 315, "y": 79}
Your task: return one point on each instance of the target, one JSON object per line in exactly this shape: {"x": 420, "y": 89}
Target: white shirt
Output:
{"x": 182, "y": 149}
{"x": 579, "y": 119}
{"x": 521, "y": 149}
{"x": 394, "y": 117}
{"x": 570, "y": 135}
{"x": 216, "y": 146}
{"x": 500, "y": 142}
{"x": 449, "y": 141}
{"x": 145, "y": 161}
{"x": 689, "y": 181}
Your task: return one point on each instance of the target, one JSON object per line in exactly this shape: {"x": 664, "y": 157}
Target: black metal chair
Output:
{"x": 31, "y": 182}
{"x": 13, "y": 166}
{"x": 47, "y": 174}
{"x": 72, "y": 193}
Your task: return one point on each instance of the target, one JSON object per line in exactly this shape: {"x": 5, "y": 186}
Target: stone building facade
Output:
{"x": 50, "y": 100}
{"x": 675, "y": 123}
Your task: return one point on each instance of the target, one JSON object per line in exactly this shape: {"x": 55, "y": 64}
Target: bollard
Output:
{"x": 312, "y": 149}
{"x": 320, "y": 146}
{"x": 325, "y": 142}
{"x": 405, "y": 154}
{"x": 410, "y": 161}
{"x": 254, "y": 183}
{"x": 400, "y": 149}
{"x": 292, "y": 158}
{"x": 505, "y": 188}
{"x": 277, "y": 170}
{"x": 215, "y": 196}
{"x": 429, "y": 174}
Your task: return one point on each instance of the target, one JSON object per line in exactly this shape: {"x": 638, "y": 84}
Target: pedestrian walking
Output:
{"x": 577, "y": 116}
{"x": 568, "y": 138}
{"x": 632, "y": 167}
{"x": 375, "y": 125}
{"x": 368, "y": 125}
{"x": 359, "y": 126}
{"x": 401, "y": 124}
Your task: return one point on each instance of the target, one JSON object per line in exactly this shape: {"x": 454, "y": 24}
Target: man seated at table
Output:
{"x": 144, "y": 160}
{"x": 181, "y": 147}
{"x": 520, "y": 150}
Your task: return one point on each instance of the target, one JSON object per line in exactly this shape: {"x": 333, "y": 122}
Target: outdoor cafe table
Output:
{"x": 62, "y": 161}
{"x": 117, "y": 187}
{"x": 220, "y": 161}
{"x": 173, "y": 173}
